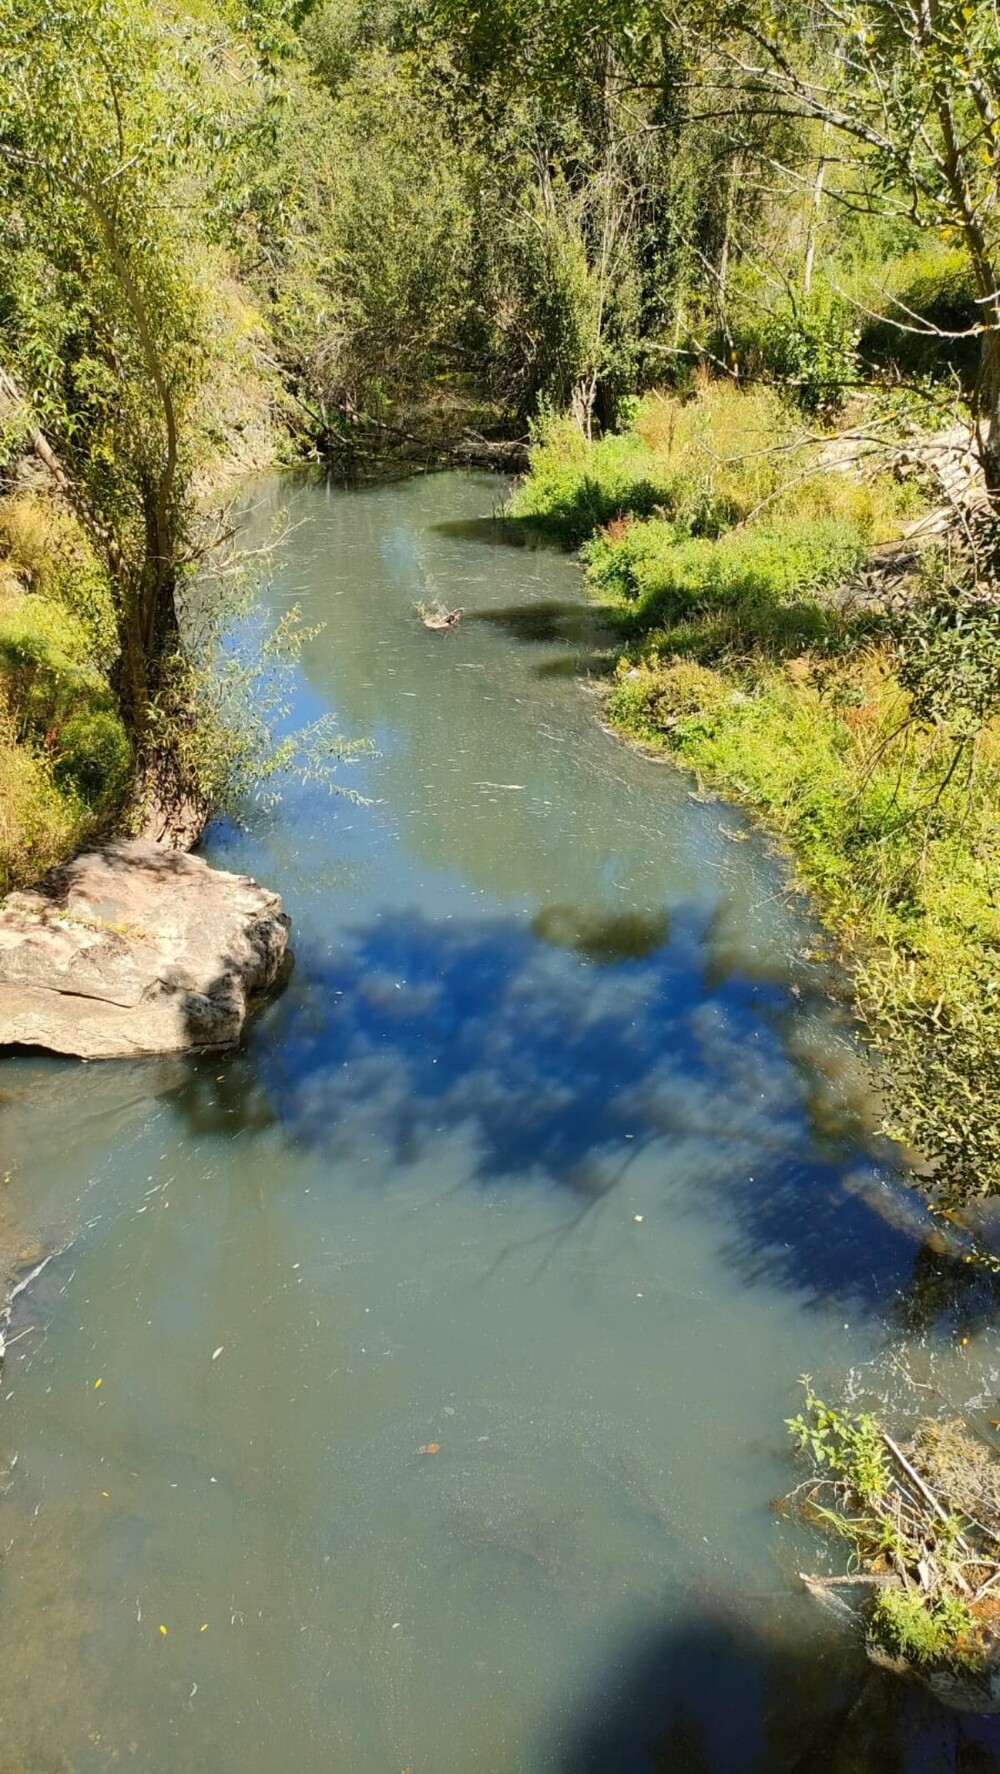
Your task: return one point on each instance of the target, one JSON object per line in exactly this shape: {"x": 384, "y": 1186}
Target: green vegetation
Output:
{"x": 922, "y": 1527}
{"x": 103, "y": 318}
{"x": 706, "y": 461}
{"x": 933, "y": 293}
{"x": 38, "y": 825}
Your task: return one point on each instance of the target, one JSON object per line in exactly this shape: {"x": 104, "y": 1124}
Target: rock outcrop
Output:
{"x": 133, "y": 950}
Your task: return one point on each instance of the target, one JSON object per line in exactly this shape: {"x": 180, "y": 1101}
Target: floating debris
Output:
{"x": 922, "y": 1522}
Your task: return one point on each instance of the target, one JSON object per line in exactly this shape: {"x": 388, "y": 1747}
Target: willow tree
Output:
{"x": 102, "y": 320}
{"x": 911, "y": 90}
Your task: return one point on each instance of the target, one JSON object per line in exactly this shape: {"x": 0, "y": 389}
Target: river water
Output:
{"x": 409, "y": 1391}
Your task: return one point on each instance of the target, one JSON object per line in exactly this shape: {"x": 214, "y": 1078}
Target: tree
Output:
{"x": 912, "y": 87}
{"x": 569, "y": 108}
{"x": 101, "y": 309}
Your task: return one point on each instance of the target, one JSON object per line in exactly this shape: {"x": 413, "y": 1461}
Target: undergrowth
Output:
{"x": 703, "y": 464}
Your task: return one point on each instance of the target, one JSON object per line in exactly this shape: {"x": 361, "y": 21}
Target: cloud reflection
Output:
{"x": 561, "y": 1073}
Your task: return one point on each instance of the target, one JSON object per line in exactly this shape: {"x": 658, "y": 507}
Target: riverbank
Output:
{"x": 848, "y": 708}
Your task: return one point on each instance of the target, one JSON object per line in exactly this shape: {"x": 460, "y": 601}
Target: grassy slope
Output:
{"x": 740, "y": 659}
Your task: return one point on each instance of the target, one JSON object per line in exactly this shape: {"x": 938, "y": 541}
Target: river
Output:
{"x": 408, "y": 1392}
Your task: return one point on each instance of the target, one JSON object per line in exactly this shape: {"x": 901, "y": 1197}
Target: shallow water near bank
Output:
{"x": 409, "y": 1391}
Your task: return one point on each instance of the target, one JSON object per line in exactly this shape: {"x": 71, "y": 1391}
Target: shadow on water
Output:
{"x": 554, "y": 622}
{"x": 223, "y": 1102}
{"x": 540, "y": 623}
{"x": 572, "y": 1055}
{"x": 711, "y": 1694}
{"x": 947, "y": 1292}
{"x": 496, "y": 531}
{"x": 571, "y": 665}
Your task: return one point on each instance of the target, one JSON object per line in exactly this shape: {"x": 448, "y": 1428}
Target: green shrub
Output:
{"x": 664, "y": 577}
{"x": 686, "y": 701}
{"x": 809, "y": 346}
{"x": 907, "y": 1626}
{"x": 702, "y": 463}
{"x": 934, "y": 286}
{"x": 93, "y": 758}
{"x": 575, "y": 487}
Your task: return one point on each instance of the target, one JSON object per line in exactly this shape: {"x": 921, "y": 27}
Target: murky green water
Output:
{"x": 421, "y": 1369}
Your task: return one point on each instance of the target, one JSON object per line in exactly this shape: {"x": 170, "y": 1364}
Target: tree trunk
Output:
{"x": 813, "y": 230}
{"x": 582, "y": 403}
{"x": 129, "y": 676}
{"x": 988, "y": 411}
{"x": 149, "y": 637}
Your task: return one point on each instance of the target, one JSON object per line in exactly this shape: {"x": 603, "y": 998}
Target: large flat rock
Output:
{"x": 133, "y": 949}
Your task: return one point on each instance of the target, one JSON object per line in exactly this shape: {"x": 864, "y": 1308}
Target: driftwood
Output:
{"x": 509, "y": 455}
{"x": 859, "y": 1580}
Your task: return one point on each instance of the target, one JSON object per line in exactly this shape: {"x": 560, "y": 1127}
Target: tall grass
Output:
{"x": 704, "y": 463}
